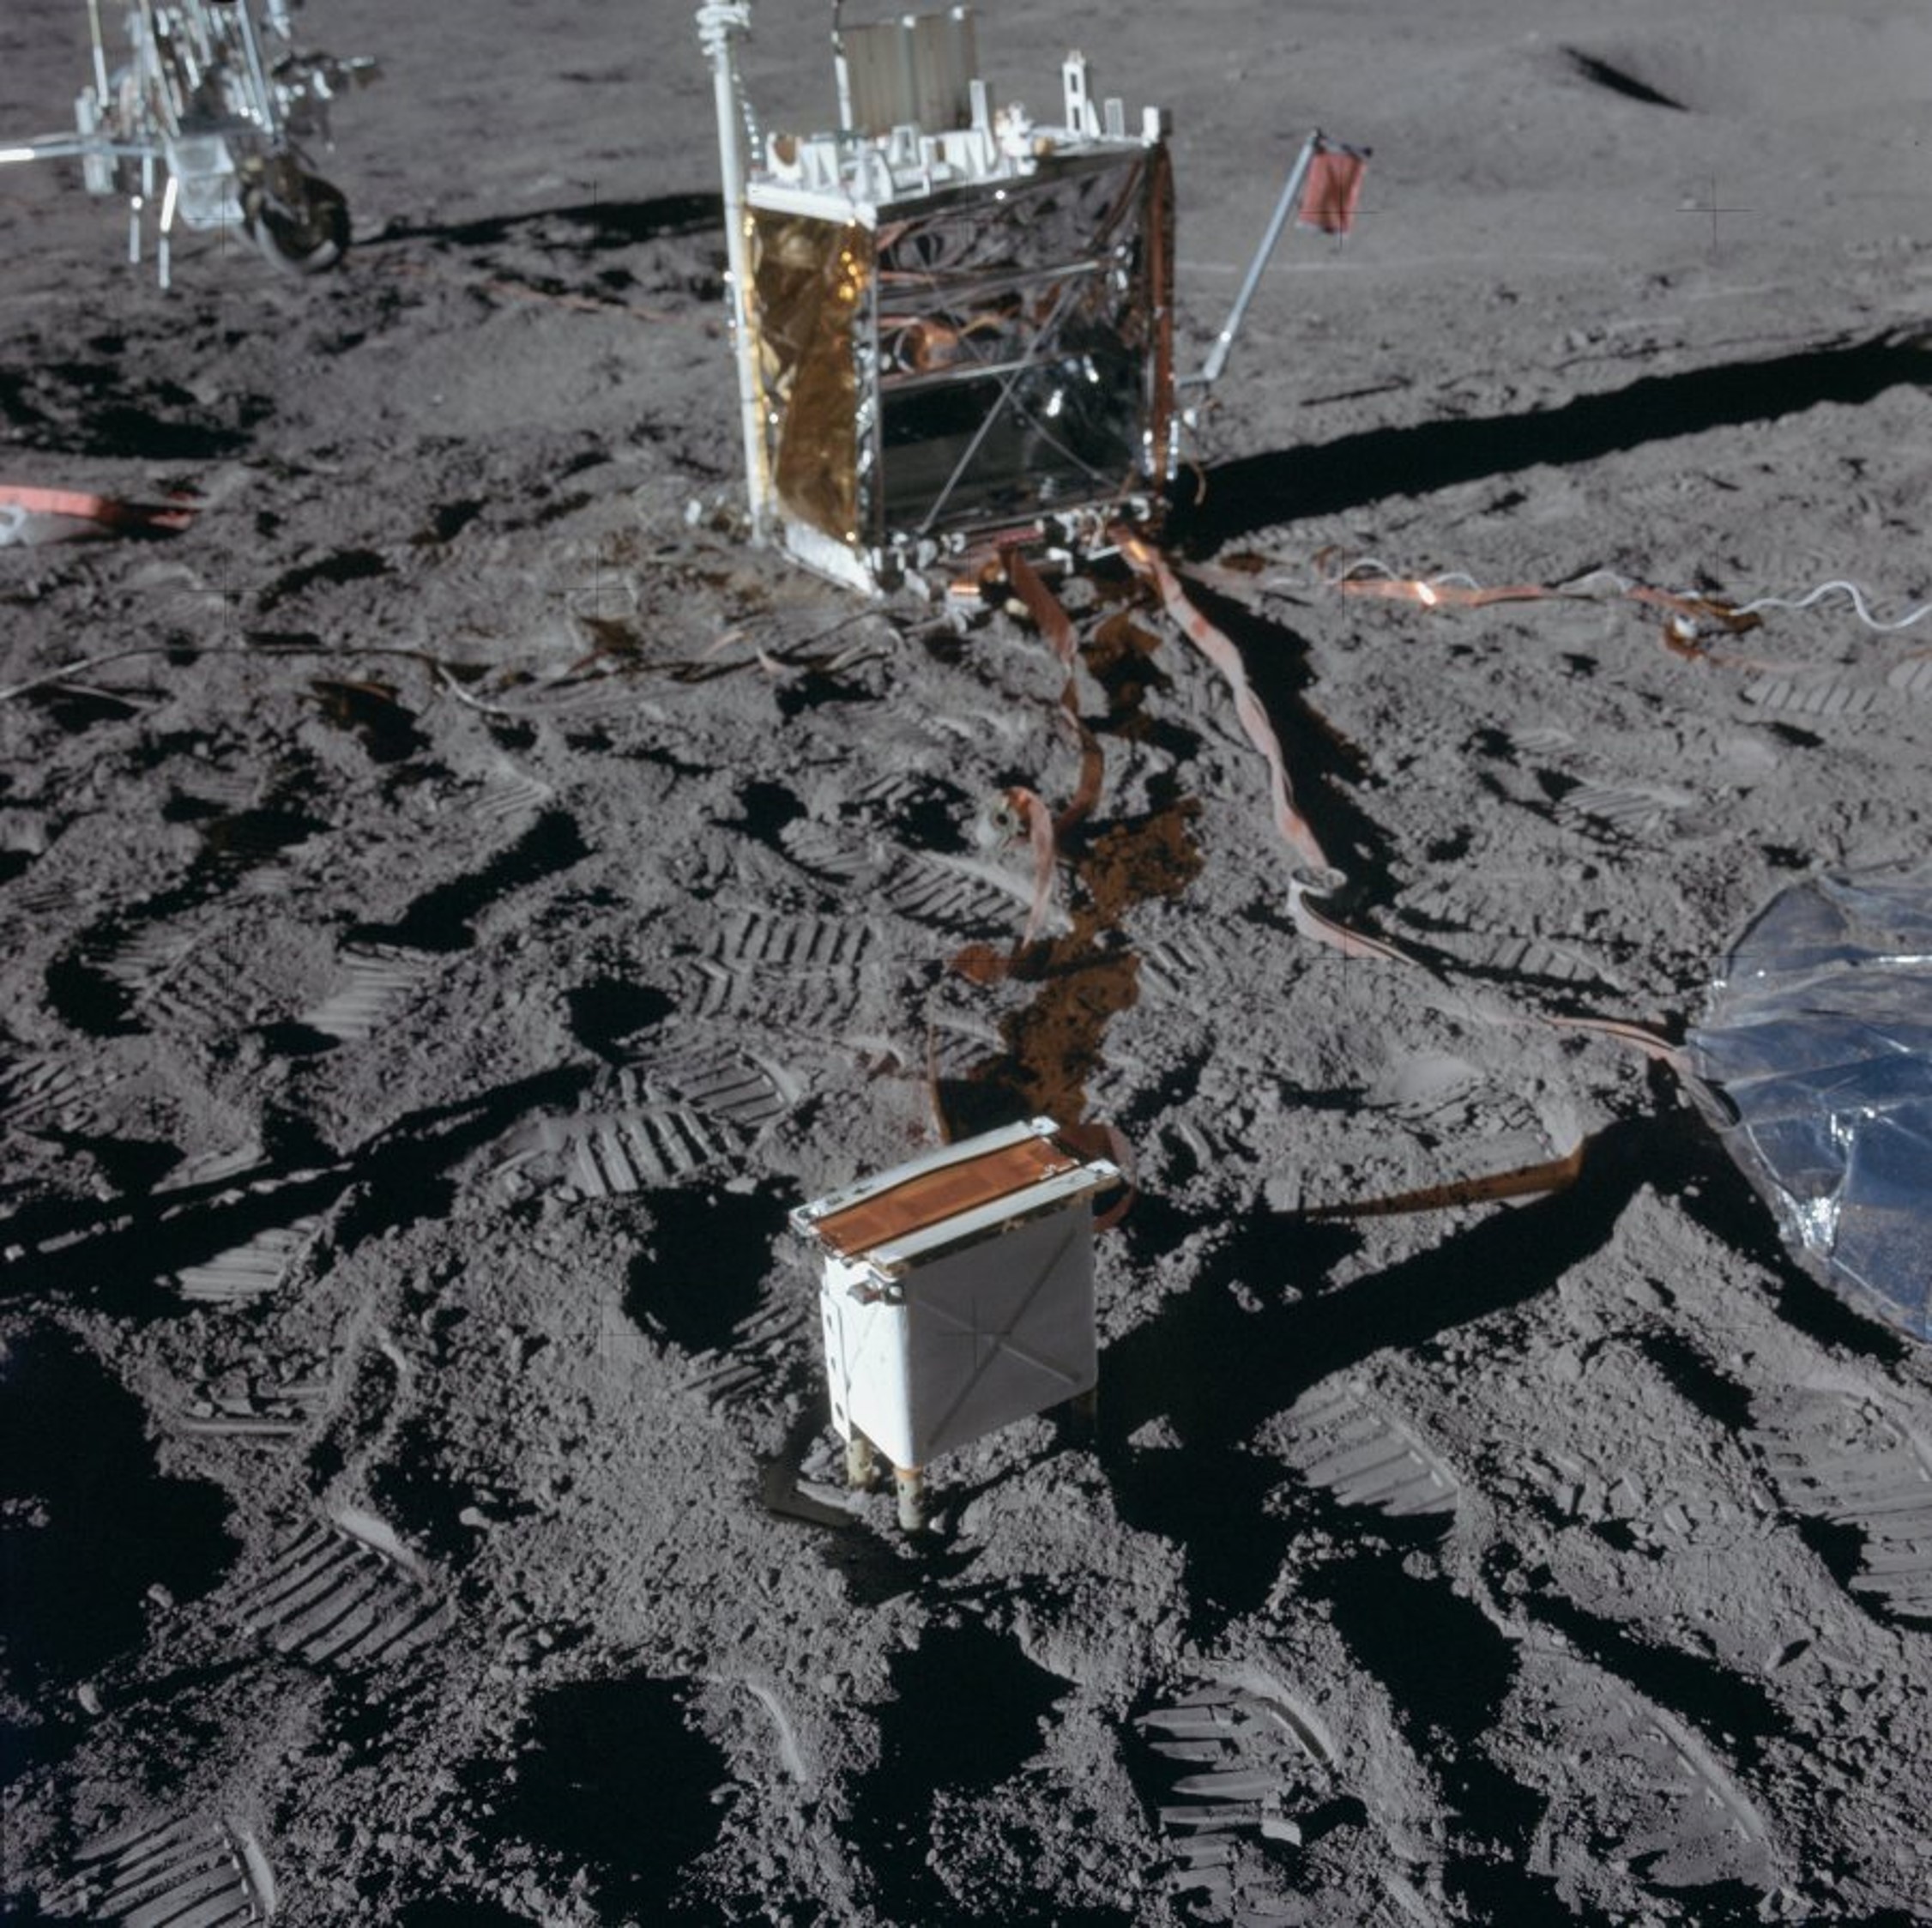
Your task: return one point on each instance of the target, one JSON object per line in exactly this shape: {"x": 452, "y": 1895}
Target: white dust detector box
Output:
{"x": 958, "y": 1290}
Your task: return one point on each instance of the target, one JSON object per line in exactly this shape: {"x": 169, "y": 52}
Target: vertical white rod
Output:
{"x": 100, "y": 54}
{"x": 170, "y": 195}
{"x": 259, "y": 73}
{"x": 719, "y": 27}
{"x": 842, "y": 70}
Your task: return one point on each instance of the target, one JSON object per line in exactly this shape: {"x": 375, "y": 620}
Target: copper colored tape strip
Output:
{"x": 84, "y": 507}
{"x": 1698, "y": 609}
{"x": 1456, "y": 596}
{"x": 1657, "y": 1049}
{"x": 1048, "y": 615}
{"x": 1554, "y": 1175}
{"x": 1096, "y": 1140}
{"x": 1050, "y": 618}
{"x": 1324, "y": 930}
{"x": 1463, "y": 595}
{"x": 1040, "y": 833}
{"x": 918, "y": 1202}
{"x": 1295, "y": 828}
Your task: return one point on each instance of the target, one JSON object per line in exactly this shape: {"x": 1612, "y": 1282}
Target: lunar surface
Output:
{"x": 459, "y": 898}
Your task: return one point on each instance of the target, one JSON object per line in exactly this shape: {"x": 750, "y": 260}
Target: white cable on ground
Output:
{"x": 1852, "y": 589}
{"x": 1582, "y": 585}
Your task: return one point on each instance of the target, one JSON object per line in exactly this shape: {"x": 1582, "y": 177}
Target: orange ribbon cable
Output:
{"x": 106, "y": 514}
{"x": 1039, "y": 822}
{"x": 1554, "y": 1175}
{"x": 1689, "y": 616}
{"x": 1325, "y": 929}
{"x": 1295, "y": 830}
{"x": 1050, "y": 617}
{"x": 1653, "y": 1044}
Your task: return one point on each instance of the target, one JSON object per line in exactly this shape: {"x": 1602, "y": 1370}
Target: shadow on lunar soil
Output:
{"x": 616, "y": 1775}
{"x": 1261, "y": 492}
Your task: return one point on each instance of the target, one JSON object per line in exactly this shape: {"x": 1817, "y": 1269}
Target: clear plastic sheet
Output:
{"x": 1815, "y": 1055}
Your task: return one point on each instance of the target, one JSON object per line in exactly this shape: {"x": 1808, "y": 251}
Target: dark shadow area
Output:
{"x": 878, "y": 1566}
{"x": 131, "y": 1164}
{"x": 702, "y": 1269}
{"x": 985, "y": 1103}
{"x": 447, "y": 521}
{"x": 1213, "y": 1505}
{"x": 418, "y": 1488}
{"x": 88, "y": 996}
{"x": 1718, "y": 1196}
{"x": 1216, "y": 1367}
{"x": 607, "y": 1015}
{"x": 1717, "y": 1396}
{"x": 87, "y": 1000}
{"x": 929, "y": 814}
{"x": 234, "y": 842}
{"x": 91, "y": 1522}
{"x": 1605, "y": 75}
{"x": 92, "y": 408}
{"x": 371, "y": 712}
{"x": 812, "y": 689}
{"x": 1448, "y": 1690}
{"x": 75, "y": 711}
{"x": 439, "y": 920}
{"x": 1328, "y": 478}
{"x": 767, "y": 808}
{"x": 115, "y": 1251}
{"x": 616, "y": 1776}
{"x": 966, "y": 1715}
{"x": 451, "y": 1913}
{"x": 291, "y": 1040}
{"x": 1217, "y": 1370}
{"x": 119, "y": 1249}
{"x": 344, "y": 566}
{"x": 605, "y": 224}
{"x": 1705, "y": 1694}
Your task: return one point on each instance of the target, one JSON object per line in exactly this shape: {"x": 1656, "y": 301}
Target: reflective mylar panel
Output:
{"x": 1023, "y": 346}
{"x": 1816, "y": 1057}
{"x": 992, "y": 352}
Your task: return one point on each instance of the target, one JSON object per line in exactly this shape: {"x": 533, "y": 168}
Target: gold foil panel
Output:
{"x": 811, "y": 287}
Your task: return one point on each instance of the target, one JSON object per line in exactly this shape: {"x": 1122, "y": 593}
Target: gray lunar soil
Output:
{"x": 482, "y": 896}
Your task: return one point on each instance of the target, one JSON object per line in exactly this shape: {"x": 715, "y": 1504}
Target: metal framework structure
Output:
{"x": 953, "y": 326}
{"x": 205, "y": 106}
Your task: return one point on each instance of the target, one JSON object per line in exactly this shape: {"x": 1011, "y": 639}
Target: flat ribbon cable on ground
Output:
{"x": 1521, "y": 1181}
{"x": 1152, "y": 567}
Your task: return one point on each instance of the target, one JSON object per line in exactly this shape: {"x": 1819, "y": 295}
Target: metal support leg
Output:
{"x": 1083, "y": 1413}
{"x": 861, "y": 1464}
{"x": 170, "y": 195}
{"x": 911, "y": 1483}
{"x": 136, "y": 205}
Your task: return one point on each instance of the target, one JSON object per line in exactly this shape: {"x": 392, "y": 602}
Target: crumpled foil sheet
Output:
{"x": 1815, "y": 1055}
